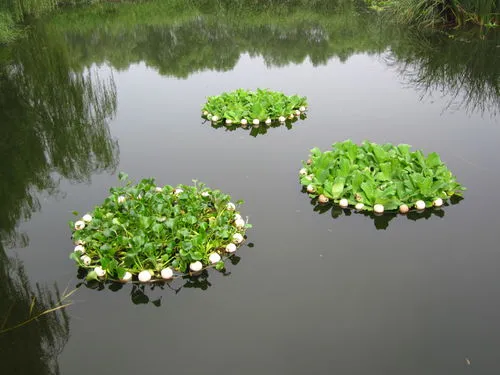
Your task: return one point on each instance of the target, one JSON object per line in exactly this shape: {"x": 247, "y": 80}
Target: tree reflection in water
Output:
{"x": 54, "y": 125}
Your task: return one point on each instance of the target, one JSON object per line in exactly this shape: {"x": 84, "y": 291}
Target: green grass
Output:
{"x": 8, "y": 31}
{"x": 441, "y": 13}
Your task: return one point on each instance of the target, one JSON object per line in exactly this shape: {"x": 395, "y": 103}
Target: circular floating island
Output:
{"x": 378, "y": 178}
{"x": 253, "y": 108}
{"x": 146, "y": 232}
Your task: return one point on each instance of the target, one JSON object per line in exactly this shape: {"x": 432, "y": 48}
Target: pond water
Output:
{"x": 92, "y": 92}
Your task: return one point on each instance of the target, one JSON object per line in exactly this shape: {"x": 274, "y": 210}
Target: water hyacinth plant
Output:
{"x": 149, "y": 233}
{"x": 261, "y": 107}
{"x": 378, "y": 178}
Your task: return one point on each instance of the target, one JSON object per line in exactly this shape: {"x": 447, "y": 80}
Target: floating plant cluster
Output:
{"x": 378, "y": 178}
{"x": 149, "y": 232}
{"x": 243, "y": 107}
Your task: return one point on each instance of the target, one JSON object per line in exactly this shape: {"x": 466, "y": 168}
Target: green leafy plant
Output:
{"x": 440, "y": 13}
{"x": 376, "y": 177}
{"x": 150, "y": 232}
{"x": 253, "y": 107}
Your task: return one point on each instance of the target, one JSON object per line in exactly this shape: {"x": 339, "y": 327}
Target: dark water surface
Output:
{"x": 91, "y": 93}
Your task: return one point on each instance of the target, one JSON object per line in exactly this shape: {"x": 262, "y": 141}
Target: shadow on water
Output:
{"x": 152, "y": 293}
{"x": 255, "y": 130}
{"x": 54, "y": 125}
{"x": 381, "y": 221}
{"x": 212, "y": 35}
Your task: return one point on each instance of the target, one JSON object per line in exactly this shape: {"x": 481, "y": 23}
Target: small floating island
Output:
{"x": 378, "y": 178}
{"x": 144, "y": 232}
{"x": 252, "y": 108}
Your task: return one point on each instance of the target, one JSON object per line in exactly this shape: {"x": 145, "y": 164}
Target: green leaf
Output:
{"x": 92, "y": 276}
{"x": 170, "y": 223}
{"x": 369, "y": 191}
{"x": 145, "y": 221}
{"x": 386, "y": 170}
{"x": 433, "y": 160}
{"x": 157, "y": 228}
{"x": 338, "y": 187}
{"x": 344, "y": 169}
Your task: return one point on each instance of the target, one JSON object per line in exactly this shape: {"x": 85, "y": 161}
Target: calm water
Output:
{"x": 87, "y": 95}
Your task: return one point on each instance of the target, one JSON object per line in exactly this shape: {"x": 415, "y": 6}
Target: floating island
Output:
{"x": 145, "y": 232}
{"x": 378, "y": 178}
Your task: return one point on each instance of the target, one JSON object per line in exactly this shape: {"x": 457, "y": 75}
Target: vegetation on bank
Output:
{"x": 440, "y": 13}
{"x": 424, "y": 13}
{"x": 14, "y": 12}
{"x": 196, "y": 38}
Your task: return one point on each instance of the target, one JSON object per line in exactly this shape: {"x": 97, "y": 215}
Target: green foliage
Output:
{"x": 441, "y": 13}
{"x": 12, "y": 11}
{"x": 211, "y": 35}
{"x": 372, "y": 174}
{"x": 7, "y": 30}
{"x": 243, "y": 106}
{"x": 146, "y": 227}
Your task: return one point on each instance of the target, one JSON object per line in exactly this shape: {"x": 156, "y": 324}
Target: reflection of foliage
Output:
{"x": 54, "y": 120}
{"x": 32, "y": 348}
{"x": 213, "y": 34}
{"x": 147, "y": 293}
{"x": 182, "y": 37}
{"x": 381, "y": 221}
{"x": 261, "y": 129}
{"x": 467, "y": 71}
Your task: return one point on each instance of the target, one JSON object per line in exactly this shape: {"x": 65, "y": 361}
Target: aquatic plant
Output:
{"x": 377, "y": 177}
{"x": 253, "y": 107}
{"x": 149, "y": 231}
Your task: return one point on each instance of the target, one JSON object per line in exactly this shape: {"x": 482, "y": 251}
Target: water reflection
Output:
{"x": 54, "y": 125}
{"x": 152, "y": 293}
{"x": 54, "y": 122}
{"x": 32, "y": 348}
{"x": 466, "y": 71}
{"x": 213, "y": 34}
{"x": 260, "y": 129}
{"x": 382, "y": 221}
